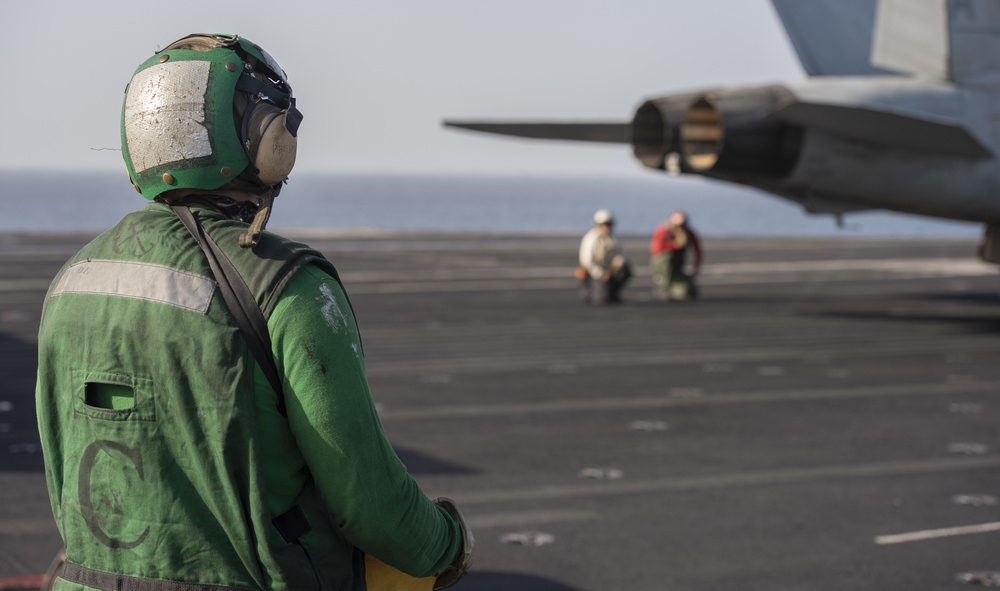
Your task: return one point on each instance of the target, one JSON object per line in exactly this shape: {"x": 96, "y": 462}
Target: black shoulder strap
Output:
{"x": 240, "y": 301}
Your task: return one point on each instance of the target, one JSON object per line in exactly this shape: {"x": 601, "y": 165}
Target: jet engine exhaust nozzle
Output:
{"x": 734, "y": 132}
{"x": 651, "y": 136}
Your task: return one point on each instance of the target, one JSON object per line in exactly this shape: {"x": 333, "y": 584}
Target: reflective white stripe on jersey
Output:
{"x": 138, "y": 280}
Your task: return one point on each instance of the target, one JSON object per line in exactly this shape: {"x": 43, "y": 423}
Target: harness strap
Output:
{"x": 96, "y": 579}
{"x": 240, "y": 301}
{"x": 292, "y": 524}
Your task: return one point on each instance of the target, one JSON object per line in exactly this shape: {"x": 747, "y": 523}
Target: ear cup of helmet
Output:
{"x": 272, "y": 146}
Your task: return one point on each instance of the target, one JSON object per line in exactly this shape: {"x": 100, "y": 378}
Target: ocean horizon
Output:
{"x": 72, "y": 201}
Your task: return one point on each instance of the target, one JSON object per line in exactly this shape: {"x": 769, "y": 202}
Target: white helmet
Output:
{"x": 604, "y": 216}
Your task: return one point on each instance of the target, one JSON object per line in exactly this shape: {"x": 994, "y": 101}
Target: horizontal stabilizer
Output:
{"x": 613, "y": 133}
{"x": 881, "y": 128}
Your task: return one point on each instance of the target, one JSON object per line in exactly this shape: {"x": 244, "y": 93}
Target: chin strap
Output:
{"x": 252, "y": 235}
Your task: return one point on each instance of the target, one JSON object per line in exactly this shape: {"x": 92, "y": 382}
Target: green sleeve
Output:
{"x": 377, "y": 504}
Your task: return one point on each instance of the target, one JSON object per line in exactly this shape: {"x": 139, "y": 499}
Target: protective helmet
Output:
{"x": 207, "y": 111}
{"x": 604, "y": 216}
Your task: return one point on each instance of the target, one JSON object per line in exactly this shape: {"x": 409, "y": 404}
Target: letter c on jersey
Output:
{"x": 94, "y": 521}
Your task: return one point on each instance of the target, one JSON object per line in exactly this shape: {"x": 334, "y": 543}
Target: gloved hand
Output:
{"x": 454, "y": 572}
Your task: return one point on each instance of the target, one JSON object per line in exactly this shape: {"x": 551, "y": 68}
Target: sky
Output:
{"x": 375, "y": 78}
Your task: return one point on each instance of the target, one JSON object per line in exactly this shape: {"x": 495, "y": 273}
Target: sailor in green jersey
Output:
{"x": 204, "y": 414}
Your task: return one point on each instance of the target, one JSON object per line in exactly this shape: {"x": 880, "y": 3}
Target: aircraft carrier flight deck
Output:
{"x": 823, "y": 417}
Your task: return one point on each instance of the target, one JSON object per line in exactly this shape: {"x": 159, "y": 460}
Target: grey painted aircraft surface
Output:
{"x": 900, "y": 111}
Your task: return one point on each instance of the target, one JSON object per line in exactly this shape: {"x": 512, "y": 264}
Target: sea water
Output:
{"x": 47, "y": 201}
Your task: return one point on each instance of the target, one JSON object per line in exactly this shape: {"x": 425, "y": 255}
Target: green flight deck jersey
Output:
{"x": 169, "y": 464}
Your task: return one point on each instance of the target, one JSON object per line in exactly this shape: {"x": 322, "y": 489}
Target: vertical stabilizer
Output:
{"x": 831, "y": 37}
{"x": 912, "y": 36}
{"x": 975, "y": 41}
{"x": 948, "y": 40}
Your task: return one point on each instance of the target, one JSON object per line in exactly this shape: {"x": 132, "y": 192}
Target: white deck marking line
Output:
{"x": 931, "y": 534}
{"x": 464, "y": 279}
{"x": 604, "y": 404}
{"x": 930, "y": 267}
{"x": 728, "y": 480}
{"x": 943, "y": 267}
{"x": 459, "y": 286}
{"x": 16, "y": 285}
{"x": 27, "y": 527}
{"x": 529, "y": 518}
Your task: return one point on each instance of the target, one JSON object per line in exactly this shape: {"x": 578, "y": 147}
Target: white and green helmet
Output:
{"x": 207, "y": 111}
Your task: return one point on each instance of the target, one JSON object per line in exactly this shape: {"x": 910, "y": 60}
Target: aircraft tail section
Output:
{"x": 948, "y": 40}
{"x": 832, "y": 37}
{"x": 974, "y": 27}
{"x": 912, "y": 36}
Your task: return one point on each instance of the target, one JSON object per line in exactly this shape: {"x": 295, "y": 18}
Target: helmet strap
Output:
{"x": 252, "y": 235}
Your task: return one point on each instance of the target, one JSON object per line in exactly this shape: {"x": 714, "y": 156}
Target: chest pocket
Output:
{"x": 107, "y": 396}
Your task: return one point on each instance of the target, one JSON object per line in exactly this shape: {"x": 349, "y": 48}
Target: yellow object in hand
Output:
{"x": 379, "y": 576}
